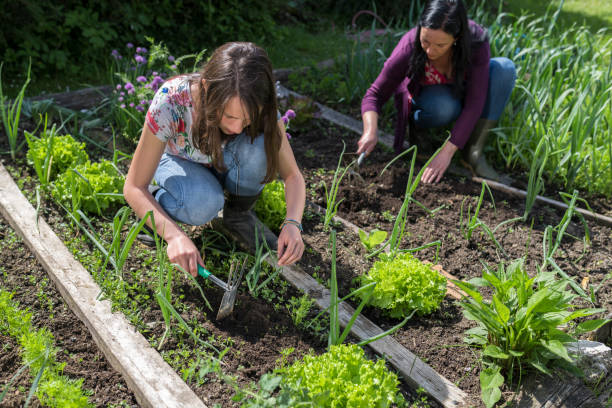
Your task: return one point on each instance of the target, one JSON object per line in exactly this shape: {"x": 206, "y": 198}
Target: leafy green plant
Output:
{"x": 299, "y": 307}
{"x": 51, "y": 154}
{"x": 403, "y": 285}
{"x": 343, "y": 377}
{"x": 12, "y": 112}
{"x": 39, "y": 354}
{"x": 373, "y": 239}
{"x": 271, "y": 208}
{"x": 525, "y": 325}
{"x": 93, "y": 186}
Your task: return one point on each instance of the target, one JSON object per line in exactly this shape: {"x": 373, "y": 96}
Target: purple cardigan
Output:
{"x": 393, "y": 80}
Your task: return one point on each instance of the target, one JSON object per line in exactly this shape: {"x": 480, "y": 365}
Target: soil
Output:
{"x": 371, "y": 201}
{"x": 25, "y": 277}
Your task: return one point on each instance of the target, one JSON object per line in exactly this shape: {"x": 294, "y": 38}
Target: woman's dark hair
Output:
{"x": 451, "y": 17}
{"x": 244, "y": 70}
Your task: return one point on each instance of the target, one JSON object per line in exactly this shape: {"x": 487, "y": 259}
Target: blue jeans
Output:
{"x": 193, "y": 193}
{"x": 437, "y": 106}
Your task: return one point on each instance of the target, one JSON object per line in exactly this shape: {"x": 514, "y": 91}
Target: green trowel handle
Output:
{"x": 203, "y": 272}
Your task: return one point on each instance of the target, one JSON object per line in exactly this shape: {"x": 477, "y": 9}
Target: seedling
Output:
{"x": 12, "y": 112}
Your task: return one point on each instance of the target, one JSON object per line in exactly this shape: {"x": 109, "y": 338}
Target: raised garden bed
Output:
{"x": 23, "y": 276}
{"x": 262, "y": 327}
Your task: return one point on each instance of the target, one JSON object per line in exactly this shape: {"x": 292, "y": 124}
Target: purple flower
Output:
{"x": 131, "y": 104}
{"x": 141, "y": 78}
{"x": 173, "y": 67}
{"x": 118, "y": 87}
{"x": 285, "y": 119}
{"x": 123, "y": 106}
{"x": 290, "y": 114}
{"x": 140, "y": 59}
{"x": 128, "y": 86}
{"x": 288, "y": 135}
{"x": 143, "y": 101}
{"x": 121, "y": 99}
{"x": 141, "y": 50}
{"x": 122, "y": 93}
{"x": 170, "y": 58}
{"x": 157, "y": 81}
{"x": 131, "y": 91}
{"x": 140, "y": 108}
{"x": 116, "y": 54}
{"x": 154, "y": 73}
{"x": 129, "y": 45}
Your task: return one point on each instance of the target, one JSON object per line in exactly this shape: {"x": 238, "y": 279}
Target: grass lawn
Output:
{"x": 595, "y": 14}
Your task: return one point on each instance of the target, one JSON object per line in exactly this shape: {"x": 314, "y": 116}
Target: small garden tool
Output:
{"x": 231, "y": 287}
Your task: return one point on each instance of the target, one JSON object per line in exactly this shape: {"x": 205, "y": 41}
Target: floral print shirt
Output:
{"x": 170, "y": 116}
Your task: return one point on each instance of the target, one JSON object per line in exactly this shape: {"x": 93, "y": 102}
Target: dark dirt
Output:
{"x": 374, "y": 201}
{"x": 23, "y": 275}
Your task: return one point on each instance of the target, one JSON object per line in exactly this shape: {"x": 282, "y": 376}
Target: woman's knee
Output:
{"x": 502, "y": 71}
{"x": 247, "y": 166}
{"x": 436, "y": 106}
{"x": 201, "y": 208}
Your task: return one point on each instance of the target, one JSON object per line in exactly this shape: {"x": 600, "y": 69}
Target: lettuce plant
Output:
{"x": 343, "y": 377}
{"x": 94, "y": 187}
{"x": 373, "y": 239}
{"x": 525, "y": 325}
{"x": 271, "y": 208}
{"x": 51, "y": 155}
{"x": 404, "y": 284}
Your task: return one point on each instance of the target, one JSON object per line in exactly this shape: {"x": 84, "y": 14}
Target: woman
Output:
{"x": 209, "y": 132}
{"x": 441, "y": 71}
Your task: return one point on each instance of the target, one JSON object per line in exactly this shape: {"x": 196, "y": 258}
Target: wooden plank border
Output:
{"x": 153, "y": 382}
{"x": 414, "y": 371}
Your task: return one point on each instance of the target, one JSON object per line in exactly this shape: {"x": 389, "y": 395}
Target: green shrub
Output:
{"x": 343, "y": 377}
{"x": 51, "y": 155}
{"x": 94, "y": 187}
{"x": 271, "y": 207}
{"x": 405, "y": 284}
{"x": 520, "y": 327}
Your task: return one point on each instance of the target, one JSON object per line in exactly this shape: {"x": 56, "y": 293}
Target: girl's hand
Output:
{"x": 436, "y": 169}
{"x": 182, "y": 251}
{"x": 290, "y": 245}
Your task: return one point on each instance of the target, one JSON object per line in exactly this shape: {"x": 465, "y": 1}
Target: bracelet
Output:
{"x": 292, "y": 222}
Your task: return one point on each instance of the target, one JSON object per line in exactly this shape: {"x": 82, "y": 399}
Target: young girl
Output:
{"x": 209, "y": 132}
{"x": 441, "y": 71}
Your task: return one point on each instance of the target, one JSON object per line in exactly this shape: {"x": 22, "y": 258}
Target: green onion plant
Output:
{"x": 11, "y": 112}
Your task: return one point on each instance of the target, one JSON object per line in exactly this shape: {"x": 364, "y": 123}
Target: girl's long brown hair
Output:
{"x": 244, "y": 70}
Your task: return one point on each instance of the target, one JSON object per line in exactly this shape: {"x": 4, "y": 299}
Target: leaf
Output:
{"x": 491, "y": 378}
{"x": 495, "y": 352}
{"x": 490, "y": 396}
{"x": 557, "y": 348}
{"x": 590, "y": 325}
{"x": 269, "y": 382}
{"x": 502, "y": 310}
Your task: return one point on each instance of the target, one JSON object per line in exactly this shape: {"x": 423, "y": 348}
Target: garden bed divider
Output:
{"x": 154, "y": 383}
{"x": 414, "y": 371}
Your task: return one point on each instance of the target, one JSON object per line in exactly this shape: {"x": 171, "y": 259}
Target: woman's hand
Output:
{"x": 369, "y": 138}
{"x": 367, "y": 143}
{"x": 182, "y": 251}
{"x": 290, "y": 245}
{"x": 436, "y": 169}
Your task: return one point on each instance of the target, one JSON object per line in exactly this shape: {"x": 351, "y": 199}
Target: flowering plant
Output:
{"x": 137, "y": 76}
{"x": 286, "y": 118}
